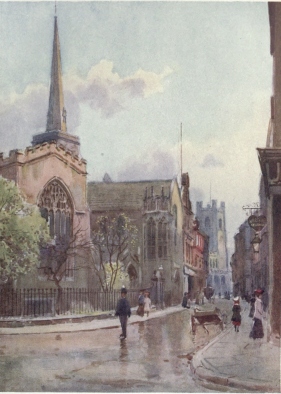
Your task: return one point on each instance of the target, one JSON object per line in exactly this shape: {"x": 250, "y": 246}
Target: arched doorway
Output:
{"x": 133, "y": 276}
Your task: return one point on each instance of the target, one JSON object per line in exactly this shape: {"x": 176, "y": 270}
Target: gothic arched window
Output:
{"x": 56, "y": 207}
{"x": 162, "y": 239}
{"x": 151, "y": 239}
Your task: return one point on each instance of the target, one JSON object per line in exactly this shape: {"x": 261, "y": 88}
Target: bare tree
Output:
{"x": 112, "y": 242}
{"x": 57, "y": 257}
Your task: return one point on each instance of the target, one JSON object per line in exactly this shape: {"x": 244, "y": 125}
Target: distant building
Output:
{"x": 242, "y": 261}
{"x": 212, "y": 222}
{"x": 195, "y": 246}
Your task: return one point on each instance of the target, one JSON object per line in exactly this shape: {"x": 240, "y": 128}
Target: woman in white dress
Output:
{"x": 147, "y": 303}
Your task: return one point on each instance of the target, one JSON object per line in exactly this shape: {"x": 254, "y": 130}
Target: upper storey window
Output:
{"x": 162, "y": 239}
{"x": 151, "y": 239}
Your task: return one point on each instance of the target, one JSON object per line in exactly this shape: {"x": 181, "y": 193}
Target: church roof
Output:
{"x": 124, "y": 195}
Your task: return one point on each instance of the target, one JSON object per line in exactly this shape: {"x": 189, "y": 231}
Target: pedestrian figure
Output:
{"x": 123, "y": 310}
{"x": 185, "y": 303}
{"x": 257, "y": 330}
{"x": 252, "y": 306}
{"x": 140, "y": 310}
{"x": 197, "y": 298}
{"x": 188, "y": 300}
{"x": 236, "y": 314}
{"x": 147, "y": 303}
{"x": 202, "y": 297}
{"x": 219, "y": 295}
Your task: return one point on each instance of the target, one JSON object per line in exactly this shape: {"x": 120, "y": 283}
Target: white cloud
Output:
{"x": 156, "y": 164}
{"x": 104, "y": 90}
{"x": 23, "y": 115}
{"x": 211, "y": 161}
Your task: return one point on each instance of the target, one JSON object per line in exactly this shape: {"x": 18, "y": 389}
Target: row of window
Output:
{"x": 213, "y": 263}
{"x": 208, "y": 223}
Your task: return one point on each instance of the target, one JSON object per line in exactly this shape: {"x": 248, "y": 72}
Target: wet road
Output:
{"x": 154, "y": 358}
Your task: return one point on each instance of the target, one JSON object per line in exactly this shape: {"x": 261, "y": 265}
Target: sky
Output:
{"x": 133, "y": 72}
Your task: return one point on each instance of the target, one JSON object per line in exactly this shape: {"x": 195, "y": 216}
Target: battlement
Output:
{"x": 31, "y": 153}
{"x": 212, "y": 206}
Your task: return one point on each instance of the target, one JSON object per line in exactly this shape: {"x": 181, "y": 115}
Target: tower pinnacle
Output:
{"x": 56, "y": 118}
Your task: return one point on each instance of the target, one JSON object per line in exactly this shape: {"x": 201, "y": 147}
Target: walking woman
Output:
{"x": 257, "y": 330}
{"x": 140, "y": 310}
{"x": 236, "y": 314}
{"x": 147, "y": 303}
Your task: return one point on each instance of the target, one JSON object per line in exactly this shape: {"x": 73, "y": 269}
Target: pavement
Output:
{"x": 234, "y": 360}
{"x": 82, "y": 323}
{"x": 231, "y": 360}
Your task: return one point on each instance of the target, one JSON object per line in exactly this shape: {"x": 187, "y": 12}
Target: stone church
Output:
{"x": 155, "y": 208}
{"x": 52, "y": 175}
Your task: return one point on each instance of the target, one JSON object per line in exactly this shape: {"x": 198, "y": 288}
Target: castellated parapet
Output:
{"x": 31, "y": 169}
{"x": 31, "y": 153}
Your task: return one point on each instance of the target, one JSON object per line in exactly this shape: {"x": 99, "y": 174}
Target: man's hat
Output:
{"x": 259, "y": 291}
{"x": 236, "y": 299}
{"x": 124, "y": 290}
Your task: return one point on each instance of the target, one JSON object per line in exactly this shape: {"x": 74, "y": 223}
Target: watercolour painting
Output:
{"x": 139, "y": 224}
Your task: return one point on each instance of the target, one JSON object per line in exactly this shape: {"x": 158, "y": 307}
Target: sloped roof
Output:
{"x": 123, "y": 195}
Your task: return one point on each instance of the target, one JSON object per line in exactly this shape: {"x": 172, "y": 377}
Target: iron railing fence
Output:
{"x": 51, "y": 302}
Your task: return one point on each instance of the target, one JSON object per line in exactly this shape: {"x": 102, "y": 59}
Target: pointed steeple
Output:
{"x": 56, "y": 118}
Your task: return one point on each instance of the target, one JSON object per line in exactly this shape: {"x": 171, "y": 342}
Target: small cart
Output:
{"x": 204, "y": 318}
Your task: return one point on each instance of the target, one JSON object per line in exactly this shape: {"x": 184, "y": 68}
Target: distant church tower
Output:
{"x": 212, "y": 222}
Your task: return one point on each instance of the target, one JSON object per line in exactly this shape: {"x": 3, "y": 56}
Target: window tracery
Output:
{"x": 56, "y": 208}
{"x": 156, "y": 239}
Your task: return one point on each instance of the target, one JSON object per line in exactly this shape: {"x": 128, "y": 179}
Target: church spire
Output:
{"x": 56, "y": 118}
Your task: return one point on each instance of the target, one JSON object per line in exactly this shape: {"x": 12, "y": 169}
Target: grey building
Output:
{"x": 212, "y": 222}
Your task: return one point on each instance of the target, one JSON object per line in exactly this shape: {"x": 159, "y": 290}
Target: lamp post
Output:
{"x": 257, "y": 223}
{"x": 158, "y": 284}
{"x": 256, "y": 243}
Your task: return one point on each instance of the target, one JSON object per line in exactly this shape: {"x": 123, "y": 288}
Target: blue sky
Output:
{"x": 133, "y": 71}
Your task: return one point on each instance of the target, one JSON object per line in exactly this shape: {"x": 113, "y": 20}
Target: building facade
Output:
{"x": 213, "y": 223}
{"x": 270, "y": 162}
{"x": 195, "y": 247}
{"x": 242, "y": 261}
{"x": 154, "y": 207}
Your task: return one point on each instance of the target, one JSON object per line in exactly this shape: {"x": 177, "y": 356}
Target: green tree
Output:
{"x": 113, "y": 240}
{"x": 22, "y": 229}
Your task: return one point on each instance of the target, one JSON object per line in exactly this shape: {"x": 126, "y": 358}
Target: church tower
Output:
{"x": 56, "y": 129}
{"x": 212, "y": 222}
{"x": 52, "y": 175}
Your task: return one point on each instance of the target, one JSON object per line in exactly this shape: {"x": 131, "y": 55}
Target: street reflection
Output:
{"x": 123, "y": 354}
{"x": 154, "y": 357}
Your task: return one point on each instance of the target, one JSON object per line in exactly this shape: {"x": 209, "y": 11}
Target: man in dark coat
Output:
{"x": 123, "y": 310}
{"x": 184, "y": 303}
